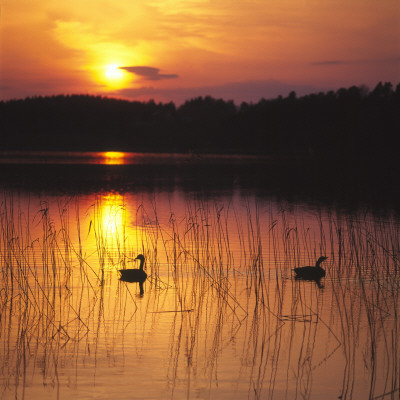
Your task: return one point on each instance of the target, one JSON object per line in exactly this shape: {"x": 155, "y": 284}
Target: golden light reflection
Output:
{"x": 115, "y": 224}
{"x": 113, "y": 215}
{"x": 113, "y": 158}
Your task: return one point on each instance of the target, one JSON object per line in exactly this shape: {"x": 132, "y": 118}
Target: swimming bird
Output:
{"x": 134, "y": 274}
{"x": 311, "y": 273}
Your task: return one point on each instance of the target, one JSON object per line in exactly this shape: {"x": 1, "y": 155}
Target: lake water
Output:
{"x": 220, "y": 315}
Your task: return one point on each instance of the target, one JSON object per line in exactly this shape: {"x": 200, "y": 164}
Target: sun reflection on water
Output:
{"x": 113, "y": 214}
{"x": 113, "y": 157}
{"x": 115, "y": 235}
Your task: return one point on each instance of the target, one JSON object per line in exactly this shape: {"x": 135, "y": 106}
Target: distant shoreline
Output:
{"x": 347, "y": 126}
{"x": 96, "y": 157}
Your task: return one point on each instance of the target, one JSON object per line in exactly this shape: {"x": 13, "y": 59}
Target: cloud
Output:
{"x": 330, "y": 62}
{"x": 364, "y": 61}
{"x": 251, "y": 91}
{"x": 149, "y": 73}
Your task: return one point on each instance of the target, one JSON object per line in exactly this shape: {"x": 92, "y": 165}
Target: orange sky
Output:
{"x": 179, "y": 49}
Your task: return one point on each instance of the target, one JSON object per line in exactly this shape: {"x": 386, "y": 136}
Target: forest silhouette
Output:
{"x": 350, "y": 123}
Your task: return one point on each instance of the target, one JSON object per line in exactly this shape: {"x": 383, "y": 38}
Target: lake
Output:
{"x": 220, "y": 315}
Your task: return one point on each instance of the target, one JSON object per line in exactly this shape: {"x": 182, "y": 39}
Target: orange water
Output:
{"x": 221, "y": 316}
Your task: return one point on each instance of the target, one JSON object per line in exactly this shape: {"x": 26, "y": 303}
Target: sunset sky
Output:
{"x": 179, "y": 49}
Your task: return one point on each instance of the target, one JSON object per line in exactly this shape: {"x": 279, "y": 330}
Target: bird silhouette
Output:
{"x": 311, "y": 273}
{"x": 134, "y": 274}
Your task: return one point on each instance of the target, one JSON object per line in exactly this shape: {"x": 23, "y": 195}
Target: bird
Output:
{"x": 134, "y": 274}
{"x": 311, "y": 273}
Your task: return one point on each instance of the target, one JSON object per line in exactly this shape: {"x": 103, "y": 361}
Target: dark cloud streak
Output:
{"x": 149, "y": 73}
{"x": 330, "y": 62}
{"x": 354, "y": 62}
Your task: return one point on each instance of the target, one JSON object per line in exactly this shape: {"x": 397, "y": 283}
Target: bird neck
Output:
{"x": 141, "y": 264}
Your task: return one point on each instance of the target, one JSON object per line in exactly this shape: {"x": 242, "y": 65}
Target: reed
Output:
{"x": 222, "y": 279}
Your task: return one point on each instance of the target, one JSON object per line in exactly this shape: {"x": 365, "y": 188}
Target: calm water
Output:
{"x": 220, "y": 315}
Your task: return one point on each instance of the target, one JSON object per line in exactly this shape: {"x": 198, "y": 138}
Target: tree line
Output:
{"x": 347, "y": 123}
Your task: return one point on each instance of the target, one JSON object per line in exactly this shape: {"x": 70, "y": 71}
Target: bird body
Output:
{"x": 312, "y": 273}
{"x": 134, "y": 274}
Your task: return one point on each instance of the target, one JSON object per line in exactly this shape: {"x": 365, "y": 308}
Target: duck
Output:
{"x": 134, "y": 274}
{"x": 311, "y": 273}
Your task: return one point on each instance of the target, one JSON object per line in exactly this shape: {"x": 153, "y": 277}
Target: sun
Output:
{"x": 115, "y": 77}
{"x": 113, "y": 72}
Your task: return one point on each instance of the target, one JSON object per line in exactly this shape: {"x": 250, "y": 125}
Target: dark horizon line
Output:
{"x": 366, "y": 88}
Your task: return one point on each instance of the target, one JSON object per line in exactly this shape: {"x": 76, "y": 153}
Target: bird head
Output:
{"x": 140, "y": 257}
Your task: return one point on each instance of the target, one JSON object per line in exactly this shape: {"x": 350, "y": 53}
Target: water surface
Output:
{"x": 221, "y": 315}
